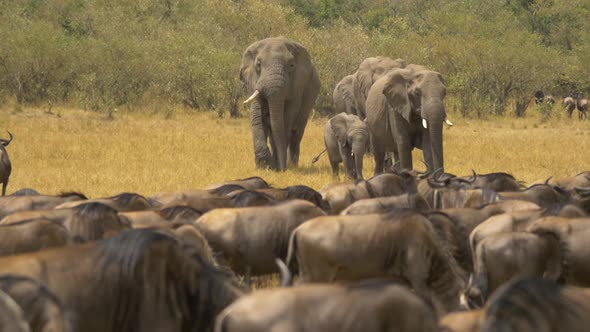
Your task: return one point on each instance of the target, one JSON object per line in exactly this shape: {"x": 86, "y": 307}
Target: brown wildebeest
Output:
{"x": 251, "y": 183}
{"x": 32, "y": 235}
{"x": 341, "y": 195}
{"x": 5, "y": 164}
{"x": 385, "y": 204}
{"x": 42, "y": 310}
{"x": 139, "y": 280}
{"x": 250, "y": 239}
{"x": 402, "y": 243}
{"x": 537, "y": 305}
{"x": 124, "y": 202}
{"x": 370, "y": 305}
{"x": 178, "y": 213}
{"x": 11, "y": 315}
{"x": 11, "y": 204}
{"x": 94, "y": 221}
{"x": 502, "y": 257}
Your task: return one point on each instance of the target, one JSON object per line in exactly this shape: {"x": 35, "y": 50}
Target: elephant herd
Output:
{"x": 400, "y": 251}
{"x": 401, "y": 105}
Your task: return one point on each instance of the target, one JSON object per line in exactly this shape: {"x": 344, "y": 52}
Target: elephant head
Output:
{"x": 369, "y": 71}
{"x": 284, "y": 84}
{"x": 352, "y": 135}
{"x": 417, "y": 95}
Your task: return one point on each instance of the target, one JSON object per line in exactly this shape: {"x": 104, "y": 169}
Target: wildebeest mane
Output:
{"x": 534, "y": 301}
{"x": 250, "y": 198}
{"x": 183, "y": 211}
{"x": 72, "y": 193}
{"x": 166, "y": 275}
{"x": 26, "y": 192}
{"x": 496, "y": 175}
{"x": 255, "y": 178}
{"x": 7, "y": 281}
{"x": 127, "y": 198}
{"x": 304, "y": 192}
{"x": 226, "y": 189}
{"x": 88, "y": 222}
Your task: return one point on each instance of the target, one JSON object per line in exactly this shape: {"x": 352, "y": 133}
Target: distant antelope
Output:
{"x": 582, "y": 105}
{"x": 5, "y": 165}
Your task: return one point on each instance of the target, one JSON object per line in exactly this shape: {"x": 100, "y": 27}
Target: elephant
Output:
{"x": 346, "y": 138}
{"x": 284, "y": 84}
{"x": 369, "y": 71}
{"x": 570, "y": 105}
{"x": 344, "y": 98}
{"x": 5, "y": 164}
{"x": 405, "y": 110}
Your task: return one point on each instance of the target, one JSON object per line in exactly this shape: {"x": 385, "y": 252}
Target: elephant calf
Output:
{"x": 346, "y": 137}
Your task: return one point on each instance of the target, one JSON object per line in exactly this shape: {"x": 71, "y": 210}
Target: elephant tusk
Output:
{"x": 424, "y": 124}
{"x": 254, "y": 95}
{"x": 448, "y": 122}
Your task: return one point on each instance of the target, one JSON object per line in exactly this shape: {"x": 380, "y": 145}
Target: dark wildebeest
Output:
{"x": 370, "y": 305}
{"x": 401, "y": 243}
{"x": 139, "y": 280}
{"x": 5, "y": 164}
{"x": 582, "y": 106}
{"x": 42, "y": 310}
{"x": 385, "y": 204}
{"x": 537, "y": 305}
{"x": 250, "y": 239}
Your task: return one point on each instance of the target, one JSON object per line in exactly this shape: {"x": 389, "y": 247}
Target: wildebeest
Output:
{"x": 251, "y": 183}
{"x": 401, "y": 243}
{"x": 570, "y": 105}
{"x": 371, "y": 305}
{"x": 11, "y": 204}
{"x": 547, "y": 196}
{"x": 123, "y": 202}
{"x": 537, "y": 305}
{"x": 32, "y": 235}
{"x": 462, "y": 198}
{"x": 11, "y": 315}
{"x": 250, "y": 239}
{"x": 502, "y": 257}
{"x": 296, "y": 192}
{"x": 42, "y": 310}
{"x": 461, "y": 321}
{"x": 341, "y": 195}
{"x": 94, "y": 221}
{"x": 385, "y": 204}
{"x": 5, "y": 164}
{"x": 139, "y": 280}
{"x": 178, "y": 213}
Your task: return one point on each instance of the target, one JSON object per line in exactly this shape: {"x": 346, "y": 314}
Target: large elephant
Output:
{"x": 343, "y": 96}
{"x": 346, "y": 138}
{"x": 284, "y": 85}
{"x": 405, "y": 110}
{"x": 369, "y": 71}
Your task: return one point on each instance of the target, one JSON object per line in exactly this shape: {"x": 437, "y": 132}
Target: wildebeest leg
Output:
{"x": 248, "y": 276}
{"x": 4, "y": 185}
{"x": 379, "y": 161}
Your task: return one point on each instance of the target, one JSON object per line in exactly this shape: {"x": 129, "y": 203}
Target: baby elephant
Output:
{"x": 346, "y": 138}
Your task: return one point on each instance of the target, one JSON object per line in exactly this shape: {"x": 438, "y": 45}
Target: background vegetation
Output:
{"x": 106, "y": 54}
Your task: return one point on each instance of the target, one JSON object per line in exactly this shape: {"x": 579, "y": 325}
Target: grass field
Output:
{"x": 147, "y": 152}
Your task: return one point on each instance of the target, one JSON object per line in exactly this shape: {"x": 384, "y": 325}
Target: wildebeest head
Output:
{"x": 93, "y": 221}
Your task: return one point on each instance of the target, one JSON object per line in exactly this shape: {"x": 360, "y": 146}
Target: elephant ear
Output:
{"x": 248, "y": 74}
{"x": 339, "y": 125}
{"x": 396, "y": 92}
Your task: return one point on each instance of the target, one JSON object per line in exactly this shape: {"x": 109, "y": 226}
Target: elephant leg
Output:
{"x": 379, "y": 161}
{"x": 402, "y": 141}
{"x": 4, "y": 185}
{"x": 298, "y": 122}
{"x": 262, "y": 154}
{"x": 334, "y": 165}
{"x": 346, "y": 155}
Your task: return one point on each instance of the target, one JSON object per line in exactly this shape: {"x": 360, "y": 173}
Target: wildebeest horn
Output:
{"x": 436, "y": 184}
{"x": 547, "y": 181}
{"x": 472, "y": 180}
{"x": 254, "y": 95}
{"x": 286, "y": 276}
{"x": 6, "y": 142}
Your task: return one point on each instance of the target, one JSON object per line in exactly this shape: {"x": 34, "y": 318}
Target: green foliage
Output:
{"x": 107, "y": 53}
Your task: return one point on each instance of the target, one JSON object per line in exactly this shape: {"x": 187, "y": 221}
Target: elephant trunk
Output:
{"x": 435, "y": 115}
{"x": 272, "y": 85}
{"x": 358, "y": 151}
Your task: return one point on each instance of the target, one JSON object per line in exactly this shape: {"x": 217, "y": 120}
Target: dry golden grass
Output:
{"x": 147, "y": 153}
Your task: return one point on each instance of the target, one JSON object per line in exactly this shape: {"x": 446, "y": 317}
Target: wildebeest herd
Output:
{"x": 401, "y": 251}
